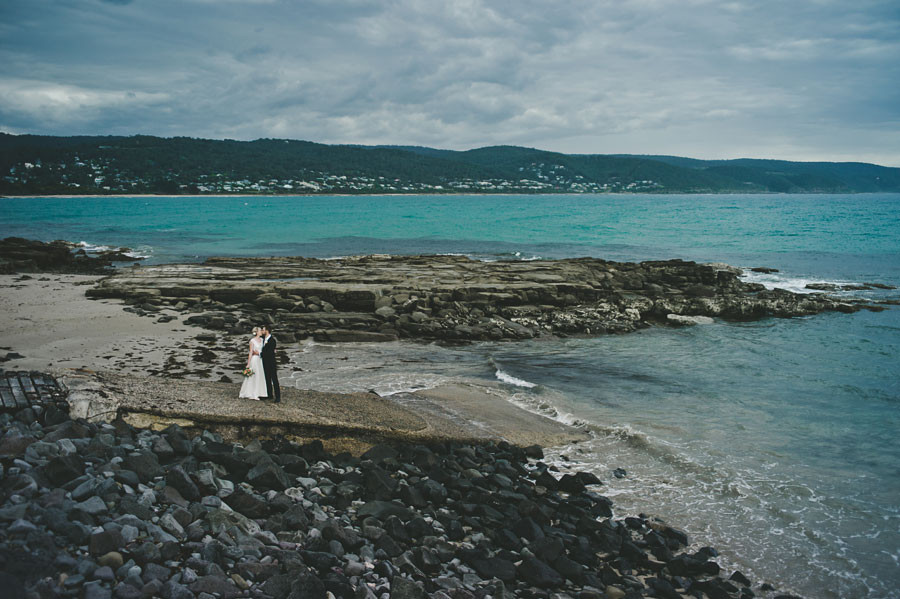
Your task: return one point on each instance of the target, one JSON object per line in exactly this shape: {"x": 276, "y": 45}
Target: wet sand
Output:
{"x": 48, "y": 320}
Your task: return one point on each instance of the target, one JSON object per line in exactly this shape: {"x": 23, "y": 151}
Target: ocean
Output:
{"x": 774, "y": 441}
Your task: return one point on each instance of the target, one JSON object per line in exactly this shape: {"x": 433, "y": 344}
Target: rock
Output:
{"x": 14, "y": 443}
{"x": 171, "y": 525}
{"x": 104, "y": 573}
{"x": 537, "y": 573}
{"x": 105, "y": 543}
{"x": 163, "y": 449}
{"x": 21, "y": 527}
{"x": 613, "y": 592}
{"x": 178, "y": 479}
{"x": 268, "y": 475}
{"x": 352, "y": 568}
{"x": 272, "y": 301}
{"x": 93, "y": 506}
{"x": 86, "y": 489}
{"x": 62, "y": 469}
{"x": 764, "y": 269}
{"x": 548, "y": 548}
{"x": 307, "y": 586}
{"x": 663, "y": 588}
{"x": 113, "y": 559}
{"x": 278, "y": 586}
{"x": 571, "y": 484}
{"x": 380, "y": 484}
{"x": 145, "y": 464}
{"x": 239, "y": 582}
{"x": 174, "y": 590}
{"x": 248, "y": 504}
{"x": 388, "y": 545}
{"x": 404, "y": 588}
{"x": 383, "y": 509}
{"x": 95, "y": 590}
{"x": 678, "y": 319}
{"x": 220, "y": 586}
{"x": 489, "y": 567}
{"x": 177, "y": 439}
{"x": 127, "y": 591}
{"x": 528, "y": 529}
{"x": 380, "y": 453}
{"x": 456, "y": 298}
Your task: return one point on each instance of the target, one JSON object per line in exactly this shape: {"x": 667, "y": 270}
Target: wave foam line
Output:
{"x": 511, "y": 380}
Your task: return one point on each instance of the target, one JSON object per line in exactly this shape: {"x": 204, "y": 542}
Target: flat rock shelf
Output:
{"x": 341, "y": 421}
{"x": 452, "y": 298}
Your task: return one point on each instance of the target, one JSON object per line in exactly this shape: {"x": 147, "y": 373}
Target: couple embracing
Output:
{"x": 263, "y": 379}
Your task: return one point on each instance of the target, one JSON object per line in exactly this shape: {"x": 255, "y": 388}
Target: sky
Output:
{"x": 788, "y": 79}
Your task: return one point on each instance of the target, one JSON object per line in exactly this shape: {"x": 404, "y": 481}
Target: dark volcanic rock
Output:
{"x": 62, "y": 469}
{"x": 145, "y": 464}
{"x": 178, "y": 479}
{"x": 106, "y": 541}
{"x": 268, "y": 475}
{"x": 383, "y": 509}
{"x": 451, "y": 521}
{"x": 537, "y": 573}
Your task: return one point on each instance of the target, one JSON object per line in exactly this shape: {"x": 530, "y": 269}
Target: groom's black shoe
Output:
{"x": 277, "y": 400}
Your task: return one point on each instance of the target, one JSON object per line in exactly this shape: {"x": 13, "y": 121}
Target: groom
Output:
{"x": 270, "y": 368}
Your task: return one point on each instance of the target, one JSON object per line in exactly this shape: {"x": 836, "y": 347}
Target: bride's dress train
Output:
{"x": 254, "y": 386}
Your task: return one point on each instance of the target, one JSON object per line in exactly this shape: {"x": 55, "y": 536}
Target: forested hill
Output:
{"x": 31, "y": 164}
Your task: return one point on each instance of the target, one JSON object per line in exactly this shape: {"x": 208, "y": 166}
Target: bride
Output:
{"x": 254, "y": 385}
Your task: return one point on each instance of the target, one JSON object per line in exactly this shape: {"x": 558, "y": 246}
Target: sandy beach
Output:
{"x": 156, "y": 372}
{"x": 47, "y": 319}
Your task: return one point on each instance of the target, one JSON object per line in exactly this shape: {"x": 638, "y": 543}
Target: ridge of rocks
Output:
{"x": 452, "y": 298}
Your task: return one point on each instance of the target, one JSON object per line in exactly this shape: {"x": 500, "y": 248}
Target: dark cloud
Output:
{"x": 811, "y": 79}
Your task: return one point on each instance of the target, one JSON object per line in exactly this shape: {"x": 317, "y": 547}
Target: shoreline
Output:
{"x": 48, "y": 321}
{"x": 411, "y": 194}
{"x": 139, "y": 391}
{"x": 133, "y": 512}
{"x": 200, "y": 349}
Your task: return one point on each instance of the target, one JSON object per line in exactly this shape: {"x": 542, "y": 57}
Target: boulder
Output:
{"x": 268, "y": 475}
{"x": 537, "y": 573}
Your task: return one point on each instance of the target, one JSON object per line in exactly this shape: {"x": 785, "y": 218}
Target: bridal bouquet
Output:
{"x": 247, "y": 372}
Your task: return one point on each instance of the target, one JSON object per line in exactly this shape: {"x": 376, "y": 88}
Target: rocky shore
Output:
{"x": 19, "y": 255}
{"x": 452, "y": 298}
{"x": 109, "y": 510}
{"x": 447, "y": 298}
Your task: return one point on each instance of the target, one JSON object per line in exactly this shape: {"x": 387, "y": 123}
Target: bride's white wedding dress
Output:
{"x": 254, "y": 385}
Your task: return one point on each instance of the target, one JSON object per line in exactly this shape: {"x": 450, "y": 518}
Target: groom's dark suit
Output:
{"x": 270, "y": 369}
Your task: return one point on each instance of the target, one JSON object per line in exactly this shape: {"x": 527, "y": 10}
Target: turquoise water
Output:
{"x": 774, "y": 441}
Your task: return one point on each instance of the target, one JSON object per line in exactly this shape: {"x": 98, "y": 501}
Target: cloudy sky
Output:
{"x": 792, "y": 79}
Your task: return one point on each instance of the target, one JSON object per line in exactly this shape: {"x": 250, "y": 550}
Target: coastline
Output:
{"x": 449, "y": 193}
{"x": 448, "y": 497}
{"x": 100, "y": 349}
{"x": 204, "y": 356}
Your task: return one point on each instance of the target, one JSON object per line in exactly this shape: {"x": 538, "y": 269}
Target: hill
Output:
{"x": 37, "y": 165}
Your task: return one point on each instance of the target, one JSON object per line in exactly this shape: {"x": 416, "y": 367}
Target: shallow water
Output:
{"x": 773, "y": 440}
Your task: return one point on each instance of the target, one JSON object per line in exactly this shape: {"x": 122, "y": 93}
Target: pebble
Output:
{"x": 113, "y": 559}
